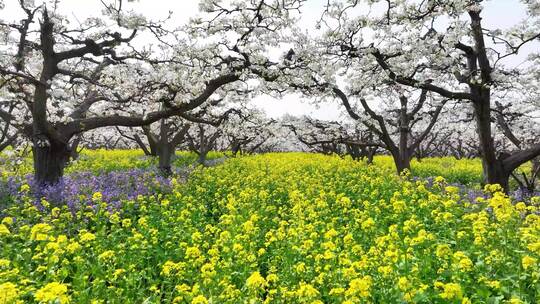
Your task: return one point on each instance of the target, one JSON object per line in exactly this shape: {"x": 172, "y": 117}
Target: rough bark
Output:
{"x": 404, "y": 157}
{"x": 152, "y": 141}
{"x": 165, "y": 154}
{"x": 202, "y": 157}
{"x": 50, "y": 161}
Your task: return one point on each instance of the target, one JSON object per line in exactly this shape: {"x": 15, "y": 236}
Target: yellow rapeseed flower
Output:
{"x": 87, "y": 237}
{"x": 404, "y": 284}
{"x": 106, "y": 256}
{"x": 200, "y": 299}
{"x": 8, "y": 221}
{"x": 4, "y": 263}
{"x": 439, "y": 179}
{"x": 360, "y": 287}
{"x": 528, "y": 262}
{"x": 24, "y": 188}
{"x": 337, "y": 291}
{"x": 272, "y": 278}
{"x": 53, "y": 292}
{"x": 330, "y": 234}
{"x": 514, "y": 300}
{"x": 4, "y": 230}
{"x": 39, "y": 232}
{"x": 368, "y": 224}
{"x": 193, "y": 252}
{"x": 97, "y": 197}
{"x": 8, "y": 293}
{"x": 255, "y": 281}
{"x": 450, "y": 291}
{"x": 170, "y": 268}
{"x": 73, "y": 246}
{"x": 306, "y": 291}
{"x": 126, "y": 223}
{"x": 443, "y": 251}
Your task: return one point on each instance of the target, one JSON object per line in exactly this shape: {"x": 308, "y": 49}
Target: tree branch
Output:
{"x": 518, "y": 158}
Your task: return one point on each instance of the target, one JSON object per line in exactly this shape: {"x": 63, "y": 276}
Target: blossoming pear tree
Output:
{"x": 247, "y": 132}
{"x": 403, "y": 117}
{"x": 73, "y": 77}
{"x": 332, "y": 137}
{"x": 401, "y": 126}
{"x": 441, "y": 47}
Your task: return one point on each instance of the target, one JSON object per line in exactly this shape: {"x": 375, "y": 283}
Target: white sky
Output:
{"x": 497, "y": 13}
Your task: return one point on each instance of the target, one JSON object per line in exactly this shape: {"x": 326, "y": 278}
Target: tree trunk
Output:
{"x": 503, "y": 179}
{"x": 491, "y": 165}
{"x": 354, "y": 151}
{"x": 235, "y": 148}
{"x": 370, "y": 155}
{"x": 50, "y": 161}
{"x": 510, "y": 162}
{"x": 142, "y": 145}
{"x": 402, "y": 160}
{"x": 535, "y": 171}
{"x": 153, "y": 148}
{"x": 402, "y": 164}
{"x": 165, "y": 154}
{"x": 419, "y": 156}
{"x": 202, "y": 157}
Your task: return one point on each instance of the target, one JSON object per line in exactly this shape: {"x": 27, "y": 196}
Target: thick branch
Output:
{"x": 517, "y": 159}
{"x": 505, "y": 127}
{"x": 434, "y": 119}
{"x": 180, "y": 135}
{"x": 425, "y": 85}
{"x": 480, "y": 46}
{"x": 81, "y": 125}
{"x": 94, "y": 48}
{"x": 345, "y": 101}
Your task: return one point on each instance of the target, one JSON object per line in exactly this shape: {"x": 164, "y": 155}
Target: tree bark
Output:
{"x": 140, "y": 143}
{"x": 202, "y": 157}
{"x": 165, "y": 155}
{"x": 235, "y": 148}
{"x": 50, "y": 152}
{"x": 152, "y": 141}
{"x": 494, "y": 172}
{"x": 371, "y": 154}
{"x": 402, "y": 160}
{"x": 50, "y": 161}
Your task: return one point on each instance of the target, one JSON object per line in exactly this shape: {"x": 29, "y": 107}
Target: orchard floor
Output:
{"x": 272, "y": 228}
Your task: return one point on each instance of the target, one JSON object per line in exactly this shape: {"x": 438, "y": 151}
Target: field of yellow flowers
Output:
{"x": 276, "y": 228}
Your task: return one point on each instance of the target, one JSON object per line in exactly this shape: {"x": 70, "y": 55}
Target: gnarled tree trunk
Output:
{"x": 492, "y": 166}
{"x": 402, "y": 160}
{"x": 165, "y": 154}
{"x": 49, "y": 161}
{"x": 202, "y": 157}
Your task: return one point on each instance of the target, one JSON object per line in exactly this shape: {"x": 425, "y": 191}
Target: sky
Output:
{"x": 497, "y": 13}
